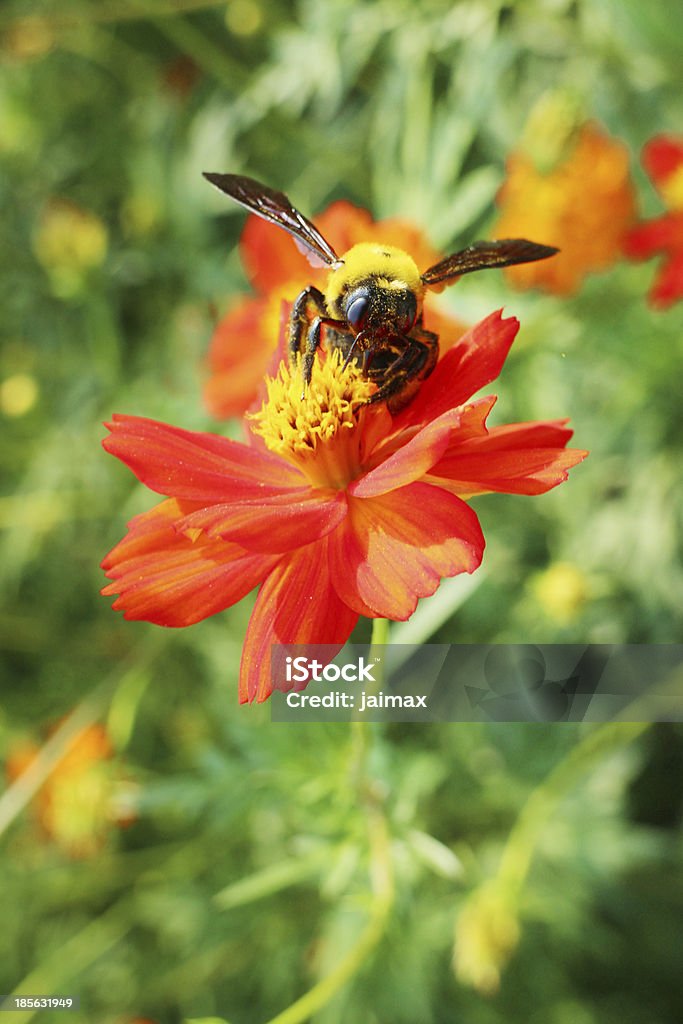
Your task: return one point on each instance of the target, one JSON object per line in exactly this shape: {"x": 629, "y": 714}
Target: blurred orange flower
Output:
{"x": 584, "y": 205}
{"x": 242, "y": 349}
{"x": 663, "y": 160}
{"x": 77, "y": 803}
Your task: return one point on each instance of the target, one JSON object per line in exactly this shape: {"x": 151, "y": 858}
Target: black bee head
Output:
{"x": 380, "y": 311}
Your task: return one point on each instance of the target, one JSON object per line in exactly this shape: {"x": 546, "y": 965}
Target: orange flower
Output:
{"x": 584, "y": 205}
{"x": 241, "y": 350}
{"x": 663, "y": 161}
{"x": 337, "y": 508}
{"x": 77, "y": 802}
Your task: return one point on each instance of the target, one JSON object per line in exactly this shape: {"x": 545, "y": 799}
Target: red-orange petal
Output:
{"x": 272, "y": 258}
{"x": 474, "y": 361}
{"x": 654, "y": 236}
{"x": 519, "y": 458}
{"x": 668, "y": 284}
{"x": 394, "y": 549}
{"x": 662, "y": 156}
{"x": 297, "y": 604}
{"x": 470, "y": 421}
{"x": 272, "y": 525}
{"x": 445, "y": 326}
{"x": 238, "y": 355}
{"x": 345, "y": 225}
{"x": 410, "y": 462}
{"x": 172, "y": 579}
{"x": 197, "y": 466}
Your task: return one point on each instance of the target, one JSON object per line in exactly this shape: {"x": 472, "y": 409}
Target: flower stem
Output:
{"x": 487, "y": 929}
{"x": 371, "y": 797}
{"x": 380, "y": 635}
{"x": 360, "y": 727}
{"x": 519, "y": 849}
{"x": 381, "y": 874}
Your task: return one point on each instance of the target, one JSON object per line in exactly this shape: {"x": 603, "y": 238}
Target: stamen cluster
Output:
{"x": 314, "y": 426}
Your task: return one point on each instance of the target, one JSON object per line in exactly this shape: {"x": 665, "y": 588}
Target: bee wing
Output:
{"x": 276, "y": 207}
{"x": 482, "y": 255}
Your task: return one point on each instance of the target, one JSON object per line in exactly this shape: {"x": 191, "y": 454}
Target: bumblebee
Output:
{"x": 371, "y": 308}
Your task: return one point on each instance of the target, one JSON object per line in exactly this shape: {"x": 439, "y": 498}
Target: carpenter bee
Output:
{"x": 371, "y": 308}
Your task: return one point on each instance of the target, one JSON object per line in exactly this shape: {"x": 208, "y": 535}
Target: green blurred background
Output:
{"x": 259, "y": 859}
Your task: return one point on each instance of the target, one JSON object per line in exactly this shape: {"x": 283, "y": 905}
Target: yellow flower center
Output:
{"x": 315, "y": 426}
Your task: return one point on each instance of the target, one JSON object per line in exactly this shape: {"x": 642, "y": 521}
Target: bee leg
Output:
{"x": 309, "y": 303}
{"x": 308, "y": 315}
{"x": 313, "y": 342}
{"x": 368, "y": 356}
{"x": 405, "y": 391}
{"x": 404, "y": 376}
{"x": 398, "y": 378}
{"x": 431, "y": 342}
{"x": 352, "y": 352}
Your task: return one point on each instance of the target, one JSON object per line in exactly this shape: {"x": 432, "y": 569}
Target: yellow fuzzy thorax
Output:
{"x": 370, "y": 259}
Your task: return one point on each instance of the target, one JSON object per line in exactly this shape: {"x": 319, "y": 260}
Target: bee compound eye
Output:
{"x": 356, "y": 311}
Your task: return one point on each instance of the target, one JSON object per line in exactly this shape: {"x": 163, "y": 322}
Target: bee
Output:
{"x": 371, "y": 308}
